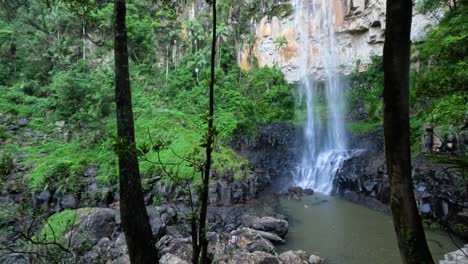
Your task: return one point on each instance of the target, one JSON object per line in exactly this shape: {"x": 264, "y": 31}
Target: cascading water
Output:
{"x": 325, "y": 147}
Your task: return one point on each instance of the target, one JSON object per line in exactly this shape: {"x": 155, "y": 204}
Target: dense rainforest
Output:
{"x": 58, "y": 166}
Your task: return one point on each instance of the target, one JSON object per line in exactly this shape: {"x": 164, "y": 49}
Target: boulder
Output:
{"x": 168, "y": 215}
{"x": 90, "y": 257}
{"x": 269, "y": 224}
{"x": 270, "y": 236}
{"x": 108, "y": 251}
{"x": 42, "y": 199}
{"x": 261, "y": 245}
{"x": 265, "y": 258}
{"x": 120, "y": 247}
{"x": 158, "y": 226}
{"x": 295, "y": 191}
{"x": 168, "y": 258}
{"x": 308, "y": 192}
{"x": 95, "y": 226}
{"x": 294, "y": 257}
{"x": 101, "y": 223}
{"x": 314, "y": 259}
{"x": 180, "y": 247}
{"x": 103, "y": 247}
{"x": 257, "y": 257}
{"x": 68, "y": 201}
{"x": 245, "y": 236}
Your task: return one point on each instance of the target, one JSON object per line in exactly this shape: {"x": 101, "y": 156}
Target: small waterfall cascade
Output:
{"x": 325, "y": 145}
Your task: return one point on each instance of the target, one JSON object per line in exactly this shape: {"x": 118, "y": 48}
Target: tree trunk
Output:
{"x": 135, "y": 221}
{"x": 195, "y": 243}
{"x": 13, "y": 56}
{"x": 209, "y": 148}
{"x": 410, "y": 233}
{"x": 84, "y": 43}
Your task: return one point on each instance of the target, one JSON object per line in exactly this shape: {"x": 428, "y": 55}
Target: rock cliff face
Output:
{"x": 359, "y": 30}
{"x": 440, "y": 192}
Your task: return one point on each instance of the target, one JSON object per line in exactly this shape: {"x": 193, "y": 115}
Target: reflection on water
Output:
{"x": 346, "y": 233}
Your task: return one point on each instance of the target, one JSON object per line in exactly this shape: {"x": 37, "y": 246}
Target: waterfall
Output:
{"x": 325, "y": 144}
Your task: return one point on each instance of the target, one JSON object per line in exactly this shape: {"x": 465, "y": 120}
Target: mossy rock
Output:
{"x": 59, "y": 224}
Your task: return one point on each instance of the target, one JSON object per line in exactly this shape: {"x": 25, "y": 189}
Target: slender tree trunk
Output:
{"x": 167, "y": 63}
{"x": 13, "y": 56}
{"x": 195, "y": 242}
{"x": 84, "y": 43}
{"x": 209, "y": 147}
{"x": 219, "y": 52}
{"x": 135, "y": 221}
{"x": 410, "y": 233}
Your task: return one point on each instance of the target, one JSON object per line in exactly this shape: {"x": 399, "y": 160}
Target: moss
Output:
{"x": 59, "y": 224}
{"x": 182, "y": 138}
{"x": 362, "y": 127}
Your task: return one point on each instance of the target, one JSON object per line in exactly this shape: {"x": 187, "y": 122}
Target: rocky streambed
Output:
{"x": 439, "y": 188}
{"x": 244, "y": 223}
{"x": 243, "y": 238}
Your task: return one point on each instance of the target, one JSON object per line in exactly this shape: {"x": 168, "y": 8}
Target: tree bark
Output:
{"x": 410, "y": 233}
{"x": 135, "y": 221}
{"x": 209, "y": 147}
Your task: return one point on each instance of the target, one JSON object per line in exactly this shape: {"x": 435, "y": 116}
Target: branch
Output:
{"x": 21, "y": 252}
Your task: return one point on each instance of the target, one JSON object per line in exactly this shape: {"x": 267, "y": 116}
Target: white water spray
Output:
{"x": 325, "y": 144}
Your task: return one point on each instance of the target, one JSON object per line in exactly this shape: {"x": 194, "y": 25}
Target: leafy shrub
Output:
{"x": 80, "y": 96}
{"x": 368, "y": 87}
{"x": 451, "y": 111}
{"x": 443, "y": 56}
{"x": 61, "y": 166}
{"x": 6, "y": 165}
{"x": 362, "y": 127}
{"x": 244, "y": 99}
{"x": 181, "y": 138}
{"x": 282, "y": 10}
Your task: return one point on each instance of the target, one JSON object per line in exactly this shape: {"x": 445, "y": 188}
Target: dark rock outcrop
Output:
{"x": 96, "y": 225}
{"x": 363, "y": 179}
{"x": 273, "y": 153}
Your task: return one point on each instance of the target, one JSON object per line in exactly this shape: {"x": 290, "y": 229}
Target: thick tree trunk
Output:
{"x": 209, "y": 148}
{"x": 135, "y": 221}
{"x": 410, "y": 233}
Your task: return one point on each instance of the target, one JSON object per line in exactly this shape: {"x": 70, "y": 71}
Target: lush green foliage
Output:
{"x": 60, "y": 223}
{"x": 362, "y": 127}
{"x": 282, "y": 10}
{"x": 367, "y": 89}
{"x": 6, "y": 165}
{"x": 243, "y": 100}
{"x": 61, "y": 81}
{"x": 438, "y": 83}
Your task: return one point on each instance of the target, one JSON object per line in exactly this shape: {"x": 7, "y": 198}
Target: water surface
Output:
{"x": 347, "y": 233}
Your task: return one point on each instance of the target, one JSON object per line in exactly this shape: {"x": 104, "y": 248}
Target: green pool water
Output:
{"x": 347, "y": 233}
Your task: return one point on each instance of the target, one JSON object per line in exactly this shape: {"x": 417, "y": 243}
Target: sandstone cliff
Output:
{"x": 359, "y": 27}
